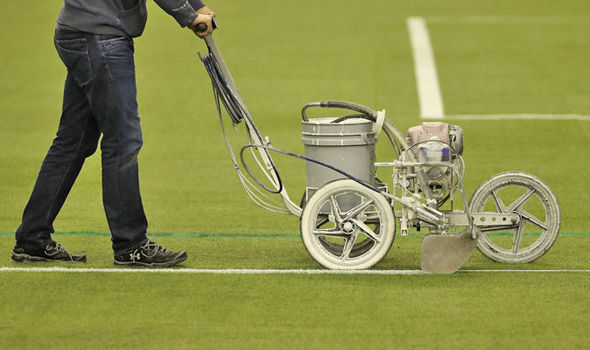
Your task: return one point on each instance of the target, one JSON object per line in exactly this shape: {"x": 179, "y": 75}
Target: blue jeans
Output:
{"x": 99, "y": 98}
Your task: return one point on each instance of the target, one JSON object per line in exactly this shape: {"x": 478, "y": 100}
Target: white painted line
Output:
{"x": 528, "y": 271}
{"x": 256, "y": 271}
{"x": 214, "y": 271}
{"x": 431, "y": 105}
{"x": 524, "y": 20}
{"x": 525, "y": 116}
{"x": 429, "y": 93}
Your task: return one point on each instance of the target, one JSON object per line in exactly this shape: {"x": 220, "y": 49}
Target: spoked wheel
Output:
{"x": 528, "y": 197}
{"x": 323, "y": 220}
{"x": 347, "y": 226}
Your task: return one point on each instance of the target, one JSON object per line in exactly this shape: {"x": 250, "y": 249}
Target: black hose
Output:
{"x": 221, "y": 89}
{"x": 295, "y": 155}
{"x": 338, "y": 104}
{"x": 237, "y": 113}
{"x": 354, "y": 116}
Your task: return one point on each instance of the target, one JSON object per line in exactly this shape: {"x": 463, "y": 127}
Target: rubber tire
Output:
{"x": 487, "y": 248}
{"x": 319, "y": 253}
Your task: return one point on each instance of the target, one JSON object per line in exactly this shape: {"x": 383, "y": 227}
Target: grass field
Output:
{"x": 493, "y": 57}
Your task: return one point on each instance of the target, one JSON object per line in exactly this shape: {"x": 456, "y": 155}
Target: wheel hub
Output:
{"x": 348, "y": 227}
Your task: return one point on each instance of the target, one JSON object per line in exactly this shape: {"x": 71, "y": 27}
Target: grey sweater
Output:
{"x": 121, "y": 17}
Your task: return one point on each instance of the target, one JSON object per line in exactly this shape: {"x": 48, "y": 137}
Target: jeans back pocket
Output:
{"x": 74, "y": 55}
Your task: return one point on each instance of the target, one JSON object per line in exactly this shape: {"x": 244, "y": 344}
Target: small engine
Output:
{"x": 436, "y": 142}
{"x": 452, "y": 135}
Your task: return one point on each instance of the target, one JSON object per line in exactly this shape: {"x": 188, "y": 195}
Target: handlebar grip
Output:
{"x": 201, "y": 27}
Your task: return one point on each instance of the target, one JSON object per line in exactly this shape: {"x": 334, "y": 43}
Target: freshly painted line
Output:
{"x": 519, "y": 116}
{"x": 522, "y": 20}
{"x": 215, "y": 271}
{"x": 260, "y": 271}
{"x": 431, "y": 105}
{"x": 530, "y": 271}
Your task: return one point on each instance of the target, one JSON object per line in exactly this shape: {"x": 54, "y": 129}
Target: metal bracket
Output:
{"x": 484, "y": 219}
{"x": 495, "y": 219}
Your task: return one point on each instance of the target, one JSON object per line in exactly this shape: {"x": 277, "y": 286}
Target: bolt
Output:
{"x": 348, "y": 226}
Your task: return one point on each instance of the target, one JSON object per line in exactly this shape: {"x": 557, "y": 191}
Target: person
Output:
{"x": 94, "y": 39}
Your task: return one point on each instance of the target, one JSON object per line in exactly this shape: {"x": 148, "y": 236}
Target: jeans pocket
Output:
{"x": 77, "y": 45}
{"x": 74, "y": 55}
{"x": 118, "y": 49}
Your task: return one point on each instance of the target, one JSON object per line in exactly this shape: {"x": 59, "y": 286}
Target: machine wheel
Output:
{"x": 533, "y": 201}
{"x": 322, "y": 219}
{"x": 334, "y": 246}
{"x": 347, "y": 226}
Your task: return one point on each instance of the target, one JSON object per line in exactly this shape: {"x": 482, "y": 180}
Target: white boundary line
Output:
{"x": 526, "y": 20}
{"x": 525, "y": 116}
{"x": 427, "y": 83}
{"x": 261, "y": 271}
{"x": 431, "y": 105}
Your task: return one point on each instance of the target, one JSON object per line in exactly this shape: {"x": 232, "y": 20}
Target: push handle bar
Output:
{"x": 338, "y": 104}
{"x": 202, "y": 27}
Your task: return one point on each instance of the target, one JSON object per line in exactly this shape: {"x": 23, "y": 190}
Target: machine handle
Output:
{"x": 338, "y": 104}
{"x": 202, "y": 27}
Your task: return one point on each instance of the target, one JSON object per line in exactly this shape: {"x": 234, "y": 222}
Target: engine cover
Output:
{"x": 437, "y": 179}
{"x": 452, "y": 135}
{"x": 427, "y": 130}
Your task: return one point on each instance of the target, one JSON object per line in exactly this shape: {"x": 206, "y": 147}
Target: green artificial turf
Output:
{"x": 319, "y": 312}
{"x": 493, "y": 57}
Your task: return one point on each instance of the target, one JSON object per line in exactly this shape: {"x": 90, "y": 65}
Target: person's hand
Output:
{"x": 206, "y": 11}
{"x": 202, "y": 18}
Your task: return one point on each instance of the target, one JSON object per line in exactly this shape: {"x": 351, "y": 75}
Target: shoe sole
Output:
{"x": 165, "y": 264}
{"x": 31, "y": 258}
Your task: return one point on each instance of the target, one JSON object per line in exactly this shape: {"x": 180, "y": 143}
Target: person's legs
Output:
{"x": 115, "y": 106}
{"x": 100, "y": 97}
{"x": 112, "y": 94}
{"x": 76, "y": 139}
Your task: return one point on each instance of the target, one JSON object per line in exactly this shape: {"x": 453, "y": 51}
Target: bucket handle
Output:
{"x": 339, "y": 104}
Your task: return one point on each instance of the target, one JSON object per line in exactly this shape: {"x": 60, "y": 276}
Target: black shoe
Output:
{"x": 150, "y": 254}
{"x": 52, "y": 251}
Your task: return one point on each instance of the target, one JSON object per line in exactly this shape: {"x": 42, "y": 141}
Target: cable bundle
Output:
{"x": 221, "y": 89}
{"x": 237, "y": 111}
